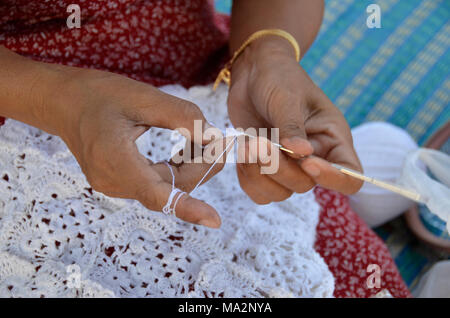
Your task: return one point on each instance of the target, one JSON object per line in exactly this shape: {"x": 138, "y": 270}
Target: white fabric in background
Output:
{"x": 57, "y": 239}
{"x": 434, "y": 191}
{"x": 382, "y": 149}
{"x": 435, "y": 283}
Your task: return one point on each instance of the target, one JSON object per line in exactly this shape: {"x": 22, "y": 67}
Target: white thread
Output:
{"x": 167, "y": 210}
{"x": 233, "y": 132}
{"x": 176, "y": 200}
{"x": 214, "y": 163}
{"x": 237, "y": 133}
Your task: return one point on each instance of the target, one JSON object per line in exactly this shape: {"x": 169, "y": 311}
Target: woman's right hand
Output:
{"x": 99, "y": 115}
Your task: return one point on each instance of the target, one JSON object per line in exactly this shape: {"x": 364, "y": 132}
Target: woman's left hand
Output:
{"x": 269, "y": 89}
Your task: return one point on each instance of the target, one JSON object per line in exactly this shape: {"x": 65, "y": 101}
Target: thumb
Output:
{"x": 168, "y": 111}
{"x": 153, "y": 190}
{"x": 290, "y": 121}
{"x": 155, "y": 197}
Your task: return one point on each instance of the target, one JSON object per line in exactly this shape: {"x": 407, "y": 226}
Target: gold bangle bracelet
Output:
{"x": 225, "y": 73}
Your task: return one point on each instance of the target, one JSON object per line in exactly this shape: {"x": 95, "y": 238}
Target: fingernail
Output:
{"x": 208, "y": 223}
{"x": 312, "y": 170}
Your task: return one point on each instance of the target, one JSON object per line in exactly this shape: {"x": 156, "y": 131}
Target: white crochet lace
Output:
{"x": 58, "y": 238}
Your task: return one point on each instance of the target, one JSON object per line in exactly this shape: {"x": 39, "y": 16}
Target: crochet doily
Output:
{"x": 59, "y": 238}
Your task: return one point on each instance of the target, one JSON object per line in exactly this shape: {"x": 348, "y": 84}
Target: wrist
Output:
{"x": 59, "y": 93}
{"x": 23, "y": 83}
{"x": 272, "y": 46}
{"x": 267, "y": 50}
{"x": 51, "y": 96}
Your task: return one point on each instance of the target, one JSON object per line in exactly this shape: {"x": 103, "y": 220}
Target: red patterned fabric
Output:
{"x": 157, "y": 41}
{"x": 173, "y": 41}
{"x": 349, "y": 246}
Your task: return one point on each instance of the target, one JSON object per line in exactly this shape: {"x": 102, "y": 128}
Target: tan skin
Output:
{"x": 99, "y": 115}
{"x": 269, "y": 89}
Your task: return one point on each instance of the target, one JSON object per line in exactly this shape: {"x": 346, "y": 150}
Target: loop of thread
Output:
{"x": 168, "y": 209}
{"x": 214, "y": 163}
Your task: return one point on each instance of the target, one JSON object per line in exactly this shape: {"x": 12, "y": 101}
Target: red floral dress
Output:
{"x": 173, "y": 41}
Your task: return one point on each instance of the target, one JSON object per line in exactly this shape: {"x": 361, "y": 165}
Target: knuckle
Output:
{"x": 304, "y": 187}
{"x": 354, "y": 187}
{"x": 249, "y": 185}
{"x": 303, "y": 184}
{"x": 290, "y": 126}
{"x": 254, "y": 196}
{"x": 260, "y": 200}
{"x": 189, "y": 109}
{"x": 282, "y": 196}
{"x": 188, "y": 185}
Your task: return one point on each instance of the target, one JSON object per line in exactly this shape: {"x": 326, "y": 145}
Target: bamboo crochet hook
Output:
{"x": 382, "y": 184}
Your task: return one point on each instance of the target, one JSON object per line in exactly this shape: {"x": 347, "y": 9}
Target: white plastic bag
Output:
{"x": 435, "y": 192}
{"x": 435, "y": 283}
{"x": 382, "y": 149}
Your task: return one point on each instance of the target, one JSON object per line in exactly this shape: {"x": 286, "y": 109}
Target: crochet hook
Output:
{"x": 274, "y": 143}
{"x": 382, "y": 184}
